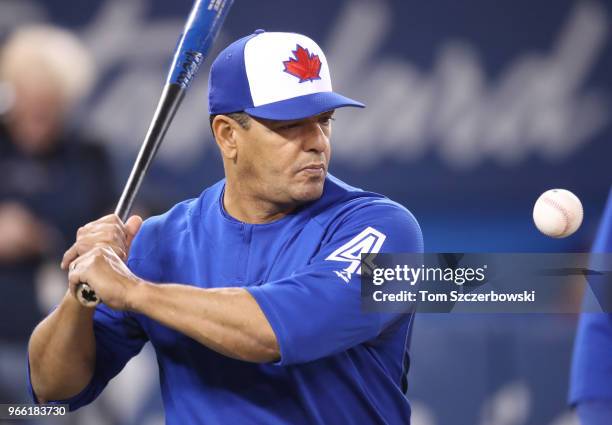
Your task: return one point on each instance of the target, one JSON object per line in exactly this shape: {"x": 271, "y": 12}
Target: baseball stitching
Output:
{"x": 566, "y": 214}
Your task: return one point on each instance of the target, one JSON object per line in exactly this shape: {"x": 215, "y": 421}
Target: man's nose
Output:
{"x": 314, "y": 138}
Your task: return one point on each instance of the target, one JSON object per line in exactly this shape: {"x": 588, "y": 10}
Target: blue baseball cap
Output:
{"x": 273, "y": 75}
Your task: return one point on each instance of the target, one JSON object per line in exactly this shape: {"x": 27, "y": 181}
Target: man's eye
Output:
{"x": 326, "y": 120}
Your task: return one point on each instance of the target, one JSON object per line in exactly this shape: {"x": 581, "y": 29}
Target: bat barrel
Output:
{"x": 198, "y": 36}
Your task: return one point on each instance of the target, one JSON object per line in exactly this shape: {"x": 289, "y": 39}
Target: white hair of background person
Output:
{"x": 45, "y": 53}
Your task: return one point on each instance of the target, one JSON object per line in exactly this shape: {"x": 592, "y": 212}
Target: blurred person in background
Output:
{"x": 52, "y": 179}
{"x": 591, "y": 378}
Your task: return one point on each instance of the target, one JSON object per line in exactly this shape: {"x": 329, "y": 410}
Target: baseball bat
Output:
{"x": 203, "y": 25}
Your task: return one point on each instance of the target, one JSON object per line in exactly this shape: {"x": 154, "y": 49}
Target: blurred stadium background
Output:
{"x": 474, "y": 109}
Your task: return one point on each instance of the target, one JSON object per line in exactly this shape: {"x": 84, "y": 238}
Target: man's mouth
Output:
{"x": 314, "y": 169}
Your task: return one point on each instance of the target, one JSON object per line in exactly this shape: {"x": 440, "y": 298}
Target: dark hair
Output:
{"x": 242, "y": 118}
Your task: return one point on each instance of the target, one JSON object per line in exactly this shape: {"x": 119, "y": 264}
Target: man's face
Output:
{"x": 285, "y": 162}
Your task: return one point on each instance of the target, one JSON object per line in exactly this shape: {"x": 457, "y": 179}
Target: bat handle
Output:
{"x": 87, "y": 296}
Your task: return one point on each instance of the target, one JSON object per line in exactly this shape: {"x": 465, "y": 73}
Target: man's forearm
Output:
{"x": 62, "y": 352}
{"x": 227, "y": 320}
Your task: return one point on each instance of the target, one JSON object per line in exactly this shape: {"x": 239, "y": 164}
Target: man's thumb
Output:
{"x": 132, "y": 226}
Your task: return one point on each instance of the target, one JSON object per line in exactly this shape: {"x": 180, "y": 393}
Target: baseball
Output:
{"x": 557, "y": 213}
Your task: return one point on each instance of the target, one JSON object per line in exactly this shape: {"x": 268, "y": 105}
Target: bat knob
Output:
{"x": 87, "y": 296}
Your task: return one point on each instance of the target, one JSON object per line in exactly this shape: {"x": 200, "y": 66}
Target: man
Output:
{"x": 262, "y": 324}
{"x": 591, "y": 379}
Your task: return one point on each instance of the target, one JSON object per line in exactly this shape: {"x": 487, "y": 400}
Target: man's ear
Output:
{"x": 225, "y": 131}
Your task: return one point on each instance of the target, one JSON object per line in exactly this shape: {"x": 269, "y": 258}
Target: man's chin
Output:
{"x": 311, "y": 191}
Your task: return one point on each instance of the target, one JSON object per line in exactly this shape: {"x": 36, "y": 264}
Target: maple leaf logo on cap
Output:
{"x": 305, "y": 65}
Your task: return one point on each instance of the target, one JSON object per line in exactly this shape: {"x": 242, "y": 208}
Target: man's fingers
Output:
{"x": 77, "y": 269}
{"x": 109, "y": 231}
{"x": 69, "y": 256}
{"x": 105, "y": 234}
{"x": 120, "y": 252}
{"x": 111, "y": 219}
{"x": 74, "y": 276}
{"x": 79, "y": 249}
